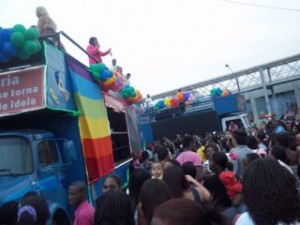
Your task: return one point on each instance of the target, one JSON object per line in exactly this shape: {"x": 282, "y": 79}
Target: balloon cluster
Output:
{"x": 131, "y": 94}
{"x": 218, "y": 92}
{"x": 18, "y": 41}
{"x": 113, "y": 80}
{"x": 109, "y": 80}
{"x": 186, "y": 98}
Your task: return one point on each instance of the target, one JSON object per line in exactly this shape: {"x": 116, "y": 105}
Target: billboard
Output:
{"x": 21, "y": 91}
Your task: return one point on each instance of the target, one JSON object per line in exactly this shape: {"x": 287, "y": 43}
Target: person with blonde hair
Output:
{"x": 45, "y": 25}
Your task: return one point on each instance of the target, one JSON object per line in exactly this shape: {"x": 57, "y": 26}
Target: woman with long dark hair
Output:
{"x": 270, "y": 195}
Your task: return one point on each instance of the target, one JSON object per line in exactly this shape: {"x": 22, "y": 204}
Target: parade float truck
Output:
{"x": 57, "y": 126}
{"x": 196, "y": 119}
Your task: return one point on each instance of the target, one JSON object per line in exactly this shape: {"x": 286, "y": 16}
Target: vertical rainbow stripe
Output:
{"x": 93, "y": 121}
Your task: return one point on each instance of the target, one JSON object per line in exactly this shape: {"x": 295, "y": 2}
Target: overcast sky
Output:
{"x": 167, "y": 44}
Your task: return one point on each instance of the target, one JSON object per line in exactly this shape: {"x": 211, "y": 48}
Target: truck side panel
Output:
{"x": 199, "y": 123}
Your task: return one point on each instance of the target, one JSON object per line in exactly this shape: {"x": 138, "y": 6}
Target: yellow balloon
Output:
{"x": 110, "y": 80}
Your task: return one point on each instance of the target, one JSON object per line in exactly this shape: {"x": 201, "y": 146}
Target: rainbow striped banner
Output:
{"x": 93, "y": 122}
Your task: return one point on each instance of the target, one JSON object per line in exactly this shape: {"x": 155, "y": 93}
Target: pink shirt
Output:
{"x": 189, "y": 156}
{"x": 84, "y": 214}
{"x": 94, "y": 51}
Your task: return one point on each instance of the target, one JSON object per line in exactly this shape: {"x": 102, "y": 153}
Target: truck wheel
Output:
{"x": 60, "y": 218}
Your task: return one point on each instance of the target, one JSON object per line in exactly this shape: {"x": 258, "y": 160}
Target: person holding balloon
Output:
{"x": 93, "y": 50}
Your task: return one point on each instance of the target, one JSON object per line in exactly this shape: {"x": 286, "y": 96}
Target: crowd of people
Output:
{"x": 223, "y": 178}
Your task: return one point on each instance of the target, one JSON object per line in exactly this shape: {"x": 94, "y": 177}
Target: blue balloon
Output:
{"x": 9, "y": 49}
{"x": 186, "y": 95}
{"x": 3, "y": 57}
{"x": 106, "y": 74}
{"x": 5, "y": 34}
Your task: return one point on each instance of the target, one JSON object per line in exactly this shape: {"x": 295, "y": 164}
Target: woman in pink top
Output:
{"x": 188, "y": 155}
{"x": 93, "y": 50}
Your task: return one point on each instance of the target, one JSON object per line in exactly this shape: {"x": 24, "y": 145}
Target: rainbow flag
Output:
{"x": 93, "y": 122}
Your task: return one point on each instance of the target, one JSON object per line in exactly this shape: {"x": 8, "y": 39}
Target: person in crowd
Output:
{"x": 188, "y": 168}
{"x": 209, "y": 150}
{"x": 33, "y": 210}
{"x": 183, "y": 212}
{"x": 149, "y": 102}
{"x": 240, "y": 150}
{"x": 112, "y": 181}
{"x": 297, "y": 141}
{"x": 157, "y": 170}
{"x": 93, "y": 50}
{"x": 287, "y": 141}
{"x": 136, "y": 180}
{"x": 250, "y": 158}
{"x": 188, "y": 154}
{"x": 261, "y": 138}
{"x": 215, "y": 186}
{"x": 200, "y": 150}
{"x": 278, "y": 153}
{"x": 9, "y": 213}
{"x": 144, "y": 161}
{"x": 270, "y": 195}
{"x": 182, "y": 186}
{"x": 127, "y": 79}
{"x": 232, "y": 127}
{"x": 154, "y": 192}
{"x": 163, "y": 154}
{"x": 113, "y": 208}
{"x": 171, "y": 162}
{"x": 84, "y": 213}
{"x": 168, "y": 144}
{"x": 178, "y": 143}
{"x": 253, "y": 144}
{"x": 46, "y": 25}
{"x": 114, "y": 67}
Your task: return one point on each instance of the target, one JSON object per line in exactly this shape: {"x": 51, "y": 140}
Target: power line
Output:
{"x": 262, "y": 6}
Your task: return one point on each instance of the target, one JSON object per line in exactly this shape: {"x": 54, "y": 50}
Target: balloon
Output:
{"x": 179, "y": 96}
{"x": 30, "y": 47}
{"x": 97, "y": 67}
{"x": 6, "y": 34}
{"x": 36, "y": 32}
{"x": 19, "y": 28}
{"x": 110, "y": 80}
{"x": 186, "y": 95}
{"x": 159, "y": 104}
{"x": 3, "y": 57}
{"x": 167, "y": 102}
{"x": 128, "y": 92}
{"x": 174, "y": 102}
{"x": 17, "y": 39}
{"x": 30, "y": 34}
{"x": 96, "y": 75}
{"x": 9, "y": 49}
{"x": 38, "y": 46}
{"x": 105, "y": 74}
{"x": 22, "y": 54}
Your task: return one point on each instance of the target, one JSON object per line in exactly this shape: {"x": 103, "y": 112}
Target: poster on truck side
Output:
{"x": 21, "y": 91}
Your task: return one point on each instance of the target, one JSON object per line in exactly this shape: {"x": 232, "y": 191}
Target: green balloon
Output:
{"x": 19, "y": 28}
{"x": 17, "y": 39}
{"x": 22, "y": 54}
{"x": 38, "y": 45}
{"x": 93, "y": 67}
{"x": 30, "y": 47}
{"x": 36, "y": 32}
{"x": 30, "y": 34}
{"x": 96, "y": 75}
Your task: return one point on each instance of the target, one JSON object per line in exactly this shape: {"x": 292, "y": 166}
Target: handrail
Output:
{"x": 77, "y": 45}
